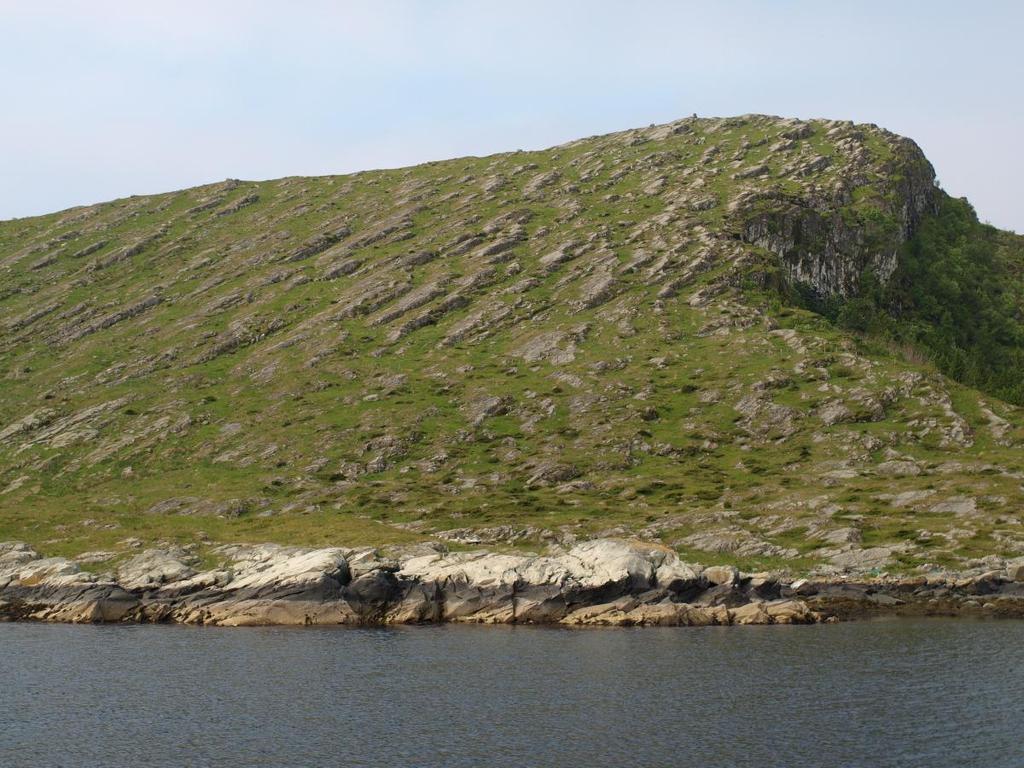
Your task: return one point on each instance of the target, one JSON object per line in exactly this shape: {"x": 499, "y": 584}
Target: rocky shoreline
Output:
{"x": 596, "y": 583}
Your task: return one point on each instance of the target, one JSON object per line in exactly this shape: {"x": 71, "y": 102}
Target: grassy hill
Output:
{"x": 731, "y": 336}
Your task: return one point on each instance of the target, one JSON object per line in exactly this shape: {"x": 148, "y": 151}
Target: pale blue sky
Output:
{"x": 103, "y": 99}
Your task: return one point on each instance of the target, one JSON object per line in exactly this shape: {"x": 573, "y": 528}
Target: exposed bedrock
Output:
{"x": 826, "y": 242}
{"x": 602, "y": 582}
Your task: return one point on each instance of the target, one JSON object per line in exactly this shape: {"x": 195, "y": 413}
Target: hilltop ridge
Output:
{"x": 723, "y": 335}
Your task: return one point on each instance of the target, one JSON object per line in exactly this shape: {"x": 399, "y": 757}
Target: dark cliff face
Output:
{"x": 828, "y": 238}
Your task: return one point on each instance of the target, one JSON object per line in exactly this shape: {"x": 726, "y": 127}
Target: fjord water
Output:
{"x": 893, "y": 693}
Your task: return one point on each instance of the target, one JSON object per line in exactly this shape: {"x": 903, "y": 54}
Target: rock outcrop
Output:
{"x": 824, "y": 241}
{"x": 609, "y": 339}
{"x": 596, "y": 583}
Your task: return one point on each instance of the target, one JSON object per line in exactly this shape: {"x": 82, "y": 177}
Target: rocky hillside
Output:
{"x": 719, "y": 335}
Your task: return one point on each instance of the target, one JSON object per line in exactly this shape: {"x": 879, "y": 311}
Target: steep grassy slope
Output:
{"x": 519, "y": 350}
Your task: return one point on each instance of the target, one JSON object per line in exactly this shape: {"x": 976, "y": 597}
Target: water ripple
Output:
{"x": 887, "y": 694}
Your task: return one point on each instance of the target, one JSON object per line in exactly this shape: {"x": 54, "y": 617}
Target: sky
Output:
{"x": 102, "y": 99}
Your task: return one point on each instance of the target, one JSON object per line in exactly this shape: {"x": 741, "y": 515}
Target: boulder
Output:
{"x": 274, "y": 568}
{"x": 605, "y": 561}
{"x": 551, "y": 473}
{"x": 14, "y": 553}
{"x": 751, "y": 613}
{"x": 790, "y": 612}
{"x": 898, "y": 468}
{"x": 957, "y": 505}
{"x": 721, "y": 575}
{"x": 48, "y": 571}
{"x": 101, "y": 603}
{"x": 151, "y": 569}
{"x": 676, "y": 576}
{"x": 856, "y": 559}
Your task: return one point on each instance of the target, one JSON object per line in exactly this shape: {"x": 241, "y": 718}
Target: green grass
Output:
{"x": 301, "y": 435}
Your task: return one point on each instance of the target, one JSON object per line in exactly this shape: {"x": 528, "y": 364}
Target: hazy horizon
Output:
{"x": 107, "y": 100}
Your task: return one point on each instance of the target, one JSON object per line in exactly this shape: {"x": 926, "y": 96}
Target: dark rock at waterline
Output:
{"x": 603, "y": 582}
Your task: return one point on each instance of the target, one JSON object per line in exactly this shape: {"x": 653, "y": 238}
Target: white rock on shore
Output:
{"x": 597, "y": 582}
